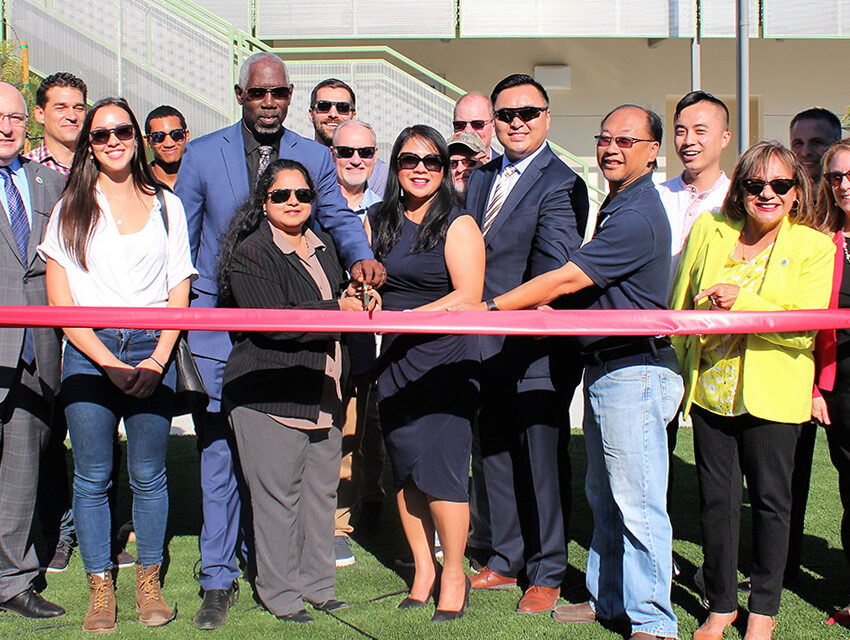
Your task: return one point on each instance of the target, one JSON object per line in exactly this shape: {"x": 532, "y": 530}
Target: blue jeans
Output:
{"x": 628, "y": 403}
{"x": 93, "y": 408}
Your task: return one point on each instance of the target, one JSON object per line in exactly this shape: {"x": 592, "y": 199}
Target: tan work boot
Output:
{"x": 152, "y": 608}
{"x": 103, "y": 610}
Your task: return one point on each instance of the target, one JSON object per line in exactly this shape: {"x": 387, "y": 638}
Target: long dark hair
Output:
{"x": 248, "y": 219}
{"x": 390, "y": 219}
{"x": 80, "y": 211}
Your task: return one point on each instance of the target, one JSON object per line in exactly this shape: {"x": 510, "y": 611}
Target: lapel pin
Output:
{"x": 784, "y": 262}
{"x": 39, "y": 179}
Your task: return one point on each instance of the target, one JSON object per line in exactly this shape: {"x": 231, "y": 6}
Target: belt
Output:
{"x": 643, "y": 345}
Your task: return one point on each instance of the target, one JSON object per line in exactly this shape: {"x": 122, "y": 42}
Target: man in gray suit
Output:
{"x": 29, "y": 358}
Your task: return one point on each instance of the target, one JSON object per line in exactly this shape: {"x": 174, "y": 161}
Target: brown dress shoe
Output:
{"x": 640, "y": 635}
{"x": 538, "y": 599}
{"x": 489, "y": 579}
{"x": 103, "y": 610}
{"x": 574, "y": 613}
{"x": 715, "y": 625}
{"x": 152, "y": 608}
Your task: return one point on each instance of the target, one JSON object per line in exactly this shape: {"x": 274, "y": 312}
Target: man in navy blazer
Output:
{"x": 532, "y": 209}
{"x": 216, "y": 176}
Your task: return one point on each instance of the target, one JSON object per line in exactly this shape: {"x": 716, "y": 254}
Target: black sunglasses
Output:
{"x": 623, "y": 142}
{"x": 526, "y": 114}
{"x": 123, "y": 132}
{"x": 780, "y": 186}
{"x": 279, "y": 196}
{"x": 478, "y": 125}
{"x": 835, "y": 178}
{"x": 259, "y": 93}
{"x": 466, "y": 162}
{"x": 324, "y": 106}
{"x": 348, "y": 152}
{"x": 158, "y": 137}
{"x": 409, "y": 161}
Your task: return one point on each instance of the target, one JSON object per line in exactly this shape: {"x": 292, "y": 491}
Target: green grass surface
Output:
{"x": 491, "y": 614}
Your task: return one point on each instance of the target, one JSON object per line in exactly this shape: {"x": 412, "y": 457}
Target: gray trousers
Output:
{"x": 24, "y": 432}
{"x": 292, "y": 475}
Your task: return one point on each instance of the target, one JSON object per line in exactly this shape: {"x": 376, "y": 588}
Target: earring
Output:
{"x": 265, "y": 213}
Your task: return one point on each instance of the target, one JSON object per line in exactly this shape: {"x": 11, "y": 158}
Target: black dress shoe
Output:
{"x": 412, "y": 603}
{"x": 441, "y": 615}
{"x": 299, "y": 616}
{"x": 28, "y": 604}
{"x": 329, "y": 605}
{"x": 213, "y": 610}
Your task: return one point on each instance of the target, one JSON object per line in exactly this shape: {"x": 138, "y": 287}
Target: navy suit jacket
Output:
{"x": 540, "y": 223}
{"x": 213, "y": 183}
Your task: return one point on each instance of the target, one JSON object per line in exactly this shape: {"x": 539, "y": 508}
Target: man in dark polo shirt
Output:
{"x": 632, "y": 385}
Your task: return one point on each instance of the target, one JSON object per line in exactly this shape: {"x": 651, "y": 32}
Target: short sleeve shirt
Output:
{"x": 628, "y": 258}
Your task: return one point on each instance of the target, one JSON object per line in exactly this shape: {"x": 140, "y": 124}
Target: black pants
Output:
{"x": 727, "y": 449}
{"x": 838, "y": 437}
{"x": 800, "y": 481}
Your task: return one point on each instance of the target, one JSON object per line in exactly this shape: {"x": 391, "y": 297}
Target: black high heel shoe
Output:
{"x": 441, "y": 615}
{"x": 413, "y": 603}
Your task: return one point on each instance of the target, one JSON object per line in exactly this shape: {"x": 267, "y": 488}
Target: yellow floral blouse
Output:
{"x": 717, "y": 388}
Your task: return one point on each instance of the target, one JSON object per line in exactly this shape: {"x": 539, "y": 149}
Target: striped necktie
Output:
{"x": 17, "y": 213}
{"x": 499, "y": 196}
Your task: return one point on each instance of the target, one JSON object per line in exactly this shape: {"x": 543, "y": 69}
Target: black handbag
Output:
{"x": 190, "y": 394}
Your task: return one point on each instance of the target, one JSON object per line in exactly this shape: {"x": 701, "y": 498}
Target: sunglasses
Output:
{"x": 279, "y": 196}
{"x": 158, "y": 137}
{"x": 409, "y": 161}
{"x": 123, "y": 132}
{"x": 324, "y": 106}
{"x": 478, "y": 125}
{"x": 526, "y": 114}
{"x": 780, "y": 186}
{"x": 348, "y": 152}
{"x": 623, "y": 142}
{"x": 466, "y": 162}
{"x": 835, "y": 178}
{"x": 259, "y": 93}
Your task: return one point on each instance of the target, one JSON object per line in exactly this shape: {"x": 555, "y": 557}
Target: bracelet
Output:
{"x": 157, "y": 362}
{"x": 491, "y": 305}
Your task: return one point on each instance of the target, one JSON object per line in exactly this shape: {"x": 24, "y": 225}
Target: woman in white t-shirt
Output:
{"x": 107, "y": 245}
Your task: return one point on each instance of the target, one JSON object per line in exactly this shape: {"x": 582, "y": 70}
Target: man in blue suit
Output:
{"x": 532, "y": 209}
{"x": 217, "y": 174}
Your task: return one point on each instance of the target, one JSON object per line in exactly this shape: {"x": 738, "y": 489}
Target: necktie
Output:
{"x": 21, "y": 231}
{"x": 17, "y": 213}
{"x": 499, "y": 196}
{"x": 265, "y": 157}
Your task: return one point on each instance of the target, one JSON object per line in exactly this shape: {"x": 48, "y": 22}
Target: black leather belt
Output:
{"x": 642, "y": 345}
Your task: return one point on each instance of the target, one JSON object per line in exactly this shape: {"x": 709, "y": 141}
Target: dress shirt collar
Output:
{"x": 522, "y": 165}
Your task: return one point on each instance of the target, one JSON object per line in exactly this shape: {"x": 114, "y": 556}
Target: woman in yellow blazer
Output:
{"x": 749, "y": 393}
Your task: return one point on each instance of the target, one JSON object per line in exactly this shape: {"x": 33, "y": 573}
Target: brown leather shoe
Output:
{"x": 103, "y": 611}
{"x": 640, "y": 635}
{"x": 489, "y": 579}
{"x": 715, "y": 625}
{"x": 151, "y": 606}
{"x": 574, "y": 613}
{"x": 538, "y": 599}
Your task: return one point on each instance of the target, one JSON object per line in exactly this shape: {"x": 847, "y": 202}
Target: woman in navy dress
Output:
{"x": 434, "y": 255}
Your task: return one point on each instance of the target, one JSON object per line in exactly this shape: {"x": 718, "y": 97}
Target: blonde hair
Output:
{"x": 829, "y": 214}
{"x": 754, "y": 161}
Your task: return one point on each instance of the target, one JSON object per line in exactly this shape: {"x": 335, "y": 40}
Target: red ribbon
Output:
{"x": 629, "y": 322}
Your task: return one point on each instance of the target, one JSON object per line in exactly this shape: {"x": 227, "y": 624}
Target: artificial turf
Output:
{"x": 805, "y": 607}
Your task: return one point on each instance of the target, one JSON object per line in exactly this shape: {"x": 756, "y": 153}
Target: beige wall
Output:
{"x": 787, "y": 76}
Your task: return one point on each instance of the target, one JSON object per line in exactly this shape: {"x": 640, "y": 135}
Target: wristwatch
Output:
{"x": 491, "y": 305}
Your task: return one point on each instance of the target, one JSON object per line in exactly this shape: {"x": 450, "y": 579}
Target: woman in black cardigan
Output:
{"x": 282, "y": 390}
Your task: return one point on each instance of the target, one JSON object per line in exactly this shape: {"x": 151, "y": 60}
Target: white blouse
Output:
{"x": 129, "y": 270}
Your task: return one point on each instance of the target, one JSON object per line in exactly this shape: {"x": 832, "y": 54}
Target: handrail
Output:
{"x": 585, "y": 171}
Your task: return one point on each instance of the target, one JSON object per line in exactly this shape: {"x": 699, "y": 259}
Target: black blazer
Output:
{"x": 277, "y": 372}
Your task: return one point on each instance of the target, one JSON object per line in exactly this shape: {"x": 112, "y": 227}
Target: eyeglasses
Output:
{"x": 279, "y": 196}
{"x": 348, "y": 152}
{"x": 123, "y": 132}
{"x": 15, "y": 119}
{"x": 780, "y": 186}
{"x": 409, "y": 161}
{"x": 835, "y": 178}
{"x": 324, "y": 106}
{"x": 478, "y": 125}
{"x": 259, "y": 93}
{"x": 466, "y": 162}
{"x": 623, "y": 142}
{"x": 526, "y": 114}
{"x": 158, "y": 137}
